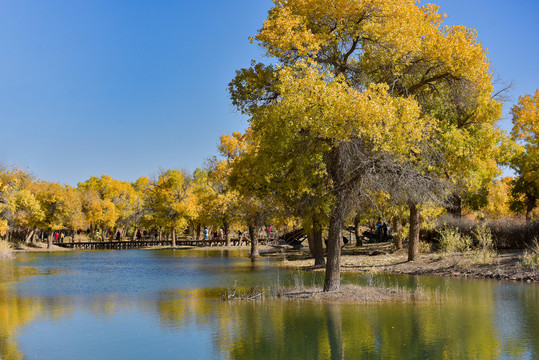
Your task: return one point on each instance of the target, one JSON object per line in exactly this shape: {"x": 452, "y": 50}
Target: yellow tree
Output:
{"x": 171, "y": 201}
{"x": 142, "y": 187}
{"x": 98, "y": 213}
{"x": 11, "y": 182}
{"x": 56, "y": 204}
{"x": 253, "y": 201}
{"x": 525, "y": 188}
{"x": 218, "y": 201}
{"x": 390, "y": 50}
{"x": 120, "y": 193}
{"x": 26, "y": 211}
{"x": 499, "y": 198}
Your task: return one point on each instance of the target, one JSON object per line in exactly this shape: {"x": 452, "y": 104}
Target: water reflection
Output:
{"x": 167, "y": 304}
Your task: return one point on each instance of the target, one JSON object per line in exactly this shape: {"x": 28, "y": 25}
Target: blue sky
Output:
{"x": 125, "y": 88}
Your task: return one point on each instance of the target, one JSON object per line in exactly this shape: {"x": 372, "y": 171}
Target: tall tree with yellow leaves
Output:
{"x": 525, "y": 188}
{"x": 377, "y": 77}
{"x": 171, "y": 201}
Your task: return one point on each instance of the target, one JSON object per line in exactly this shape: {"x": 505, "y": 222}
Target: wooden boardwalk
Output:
{"x": 135, "y": 244}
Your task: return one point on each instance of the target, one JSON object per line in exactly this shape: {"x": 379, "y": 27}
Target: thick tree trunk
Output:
{"x": 173, "y": 237}
{"x": 226, "y": 228}
{"x": 254, "y": 242}
{"x": 333, "y": 266}
{"x": 413, "y": 242}
{"x": 318, "y": 247}
{"x": 397, "y": 228}
{"x": 310, "y": 239}
{"x": 359, "y": 236}
{"x": 49, "y": 239}
{"x": 160, "y": 234}
{"x": 197, "y": 235}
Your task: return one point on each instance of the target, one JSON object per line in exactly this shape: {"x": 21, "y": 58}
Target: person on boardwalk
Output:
{"x": 205, "y": 233}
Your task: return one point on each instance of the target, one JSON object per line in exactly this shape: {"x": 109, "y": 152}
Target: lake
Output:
{"x": 167, "y": 304}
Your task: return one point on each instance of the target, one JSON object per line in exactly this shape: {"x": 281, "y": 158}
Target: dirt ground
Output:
{"x": 380, "y": 258}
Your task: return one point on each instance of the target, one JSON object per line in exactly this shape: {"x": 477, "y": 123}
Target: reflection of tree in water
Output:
{"x": 456, "y": 328}
{"x": 525, "y": 324}
{"x": 334, "y": 321}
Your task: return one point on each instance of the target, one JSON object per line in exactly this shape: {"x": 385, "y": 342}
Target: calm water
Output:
{"x": 166, "y": 304}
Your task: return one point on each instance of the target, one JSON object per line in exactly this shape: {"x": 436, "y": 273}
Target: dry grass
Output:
{"x": 506, "y": 233}
{"x": 6, "y": 251}
{"x": 530, "y": 257}
{"x": 346, "y": 294}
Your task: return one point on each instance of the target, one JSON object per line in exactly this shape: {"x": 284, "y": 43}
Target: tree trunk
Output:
{"x": 160, "y": 234}
{"x": 310, "y": 239}
{"x": 49, "y": 239}
{"x": 397, "y": 228}
{"x": 254, "y": 242}
{"x": 318, "y": 247}
{"x": 413, "y": 242}
{"x": 197, "y": 237}
{"x": 226, "y": 229}
{"x": 29, "y": 236}
{"x": 173, "y": 237}
{"x": 359, "y": 236}
{"x": 333, "y": 266}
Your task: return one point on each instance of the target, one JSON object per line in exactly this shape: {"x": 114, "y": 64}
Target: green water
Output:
{"x": 166, "y": 304}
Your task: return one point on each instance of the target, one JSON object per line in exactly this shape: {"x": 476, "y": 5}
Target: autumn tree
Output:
{"x": 170, "y": 201}
{"x": 525, "y": 188}
{"x": 218, "y": 200}
{"x": 253, "y": 201}
{"x": 12, "y": 182}
{"x": 59, "y": 205}
{"x": 373, "y": 77}
{"x": 120, "y": 193}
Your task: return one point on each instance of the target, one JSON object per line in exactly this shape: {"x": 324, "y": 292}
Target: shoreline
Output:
{"x": 377, "y": 258}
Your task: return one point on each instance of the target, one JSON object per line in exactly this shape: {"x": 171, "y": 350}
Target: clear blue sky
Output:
{"x": 125, "y": 88}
